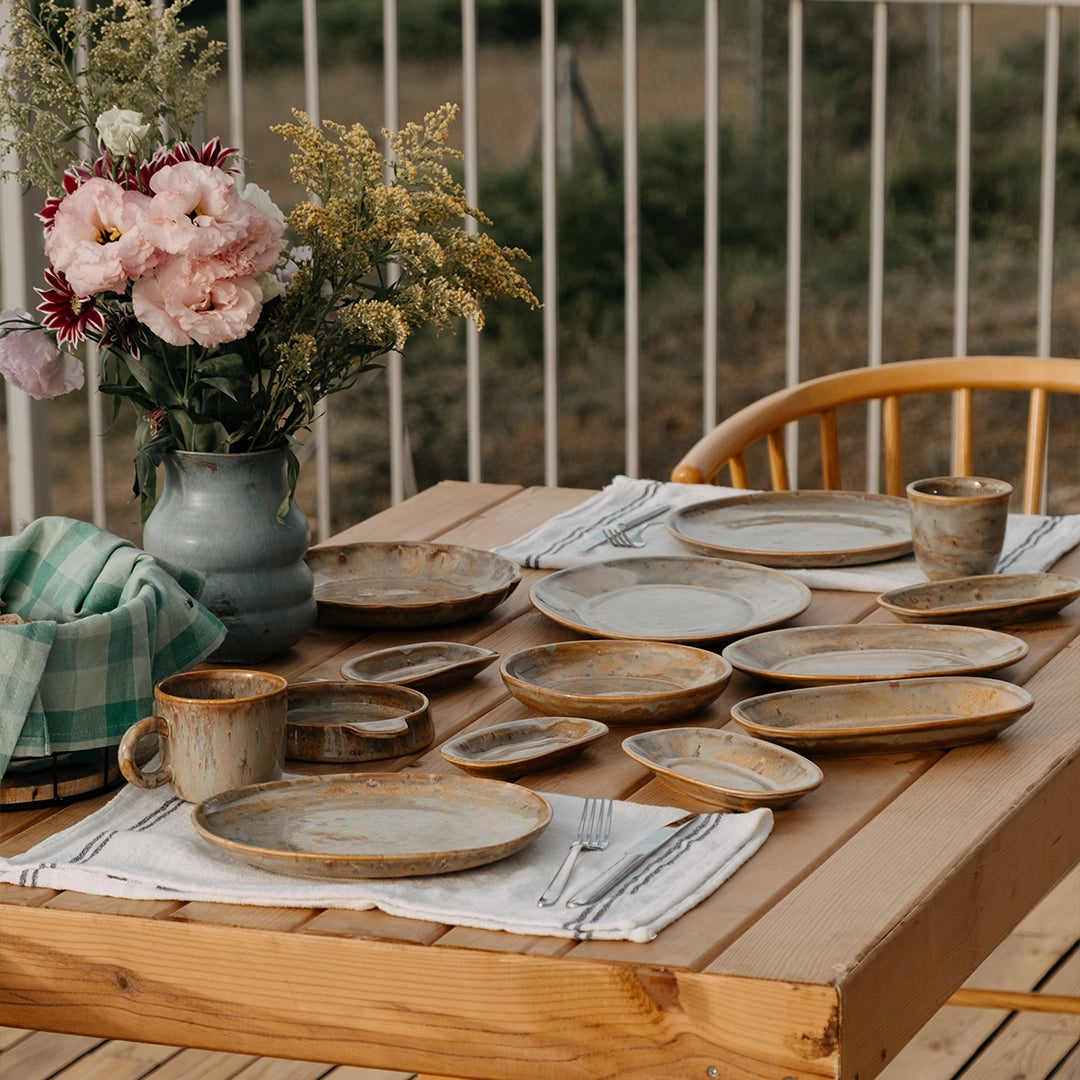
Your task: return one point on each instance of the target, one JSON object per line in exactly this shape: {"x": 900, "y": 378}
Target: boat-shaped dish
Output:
{"x": 351, "y": 721}
{"x": 522, "y": 746}
{"x": 885, "y": 717}
{"x": 426, "y": 665}
{"x": 809, "y": 655}
{"x": 669, "y": 598}
{"x": 372, "y": 826}
{"x": 725, "y": 768}
{"x": 401, "y": 585}
{"x": 798, "y": 528}
{"x": 616, "y": 681}
{"x": 987, "y": 600}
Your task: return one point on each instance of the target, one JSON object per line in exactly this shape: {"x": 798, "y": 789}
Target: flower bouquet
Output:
{"x": 222, "y": 320}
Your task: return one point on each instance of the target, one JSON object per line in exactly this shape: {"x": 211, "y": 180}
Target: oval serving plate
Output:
{"x": 351, "y": 721}
{"x": 424, "y": 664}
{"x": 616, "y": 681}
{"x": 669, "y": 598}
{"x": 522, "y": 746}
{"x": 725, "y": 768}
{"x": 809, "y": 655}
{"x": 986, "y": 600}
{"x": 372, "y": 826}
{"x": 885, "y": 717}
{"x": 798, "y": 528}
{"x": 400, "y": 584}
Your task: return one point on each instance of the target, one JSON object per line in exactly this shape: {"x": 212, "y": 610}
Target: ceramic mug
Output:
{"x": 958, "y": 524}
{"x": 216, "y": 730}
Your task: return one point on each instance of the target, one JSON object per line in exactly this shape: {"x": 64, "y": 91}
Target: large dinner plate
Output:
{"x": 798, "y": 528}
{"x": 987, "y": 600}
{"x": 725, "y": 768}
{"x": 372, "y": 826}
{"x": 806, "y": 655}
{"x": 616, "y": 681}
{"x": 669, "y": 598}
{"x": 885, "y": 717}
{"x": 400, "y": 584}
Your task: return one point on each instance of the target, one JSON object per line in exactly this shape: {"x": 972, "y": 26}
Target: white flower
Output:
{"x": 260, "y": 199}
{"x": 272, "y": 286}
{"x": 121, "y": 130}
{"x": 30, "y": 360}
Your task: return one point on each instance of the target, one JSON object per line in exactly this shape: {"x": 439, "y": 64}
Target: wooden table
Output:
{"x": 872, "y": 901}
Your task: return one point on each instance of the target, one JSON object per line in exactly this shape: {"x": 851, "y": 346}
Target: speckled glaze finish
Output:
{"x": 958, "y": 524}
{"x": 216, "y": 730}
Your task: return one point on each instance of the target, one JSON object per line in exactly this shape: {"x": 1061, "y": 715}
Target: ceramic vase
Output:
{"x": 218, "y": 515}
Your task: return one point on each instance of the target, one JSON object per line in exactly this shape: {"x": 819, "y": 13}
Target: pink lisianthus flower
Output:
{"x": 30, "y": 360}
{"x": 95, "y": 240}
{"x": 197, "y": 211}
{"x": 185, "y": 301}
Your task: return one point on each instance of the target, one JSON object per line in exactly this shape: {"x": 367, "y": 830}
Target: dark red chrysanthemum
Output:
{"x": 72, "y": 317}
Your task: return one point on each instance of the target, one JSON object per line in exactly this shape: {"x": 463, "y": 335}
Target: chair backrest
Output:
{"x": 728, "y": 443}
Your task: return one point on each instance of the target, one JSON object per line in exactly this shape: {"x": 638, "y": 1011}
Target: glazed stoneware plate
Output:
{"x": 426, "y": 665}
{"x": 798, "y": 528}
{"x": 669, "y": 598}
{"x": 522, "y": 746}
{"x": 616, "y": 681}
{"x": 372, "y": 826}
{"x": 351, "y": 721}
{"x": 725, "y": 768}
{"x": 830, "y": 654}
{"x": 987, "y": 600}
{"x": 885, "y": 717}
{"x": 400, "y": 585}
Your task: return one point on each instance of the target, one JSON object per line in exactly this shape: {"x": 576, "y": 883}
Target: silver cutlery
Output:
{"x": 617, "y": 536}
{"x": 594, "y": 831}
{"x": 622, "y": 527}
{"x": 633, "y": 857}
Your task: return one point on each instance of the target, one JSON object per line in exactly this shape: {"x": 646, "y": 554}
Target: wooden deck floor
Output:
{"x": 959, "y": 1043}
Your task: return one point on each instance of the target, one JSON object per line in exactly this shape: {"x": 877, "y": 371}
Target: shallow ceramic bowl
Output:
{"x": 522, "y": 746}
{"x": 725, "y": 768}
{"x": 352, "y": 721}
{"x": 400, "y": 585}
{"x": 616, "y": 681}
{"x": 809, "y": 655}
{"x": 986, "y": 600}
{"x": 426, "y": 664}
{"x": 885, "y": 717}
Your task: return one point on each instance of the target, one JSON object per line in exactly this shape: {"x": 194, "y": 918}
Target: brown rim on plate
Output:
{"x": 372, "y": 825}
{"x": 887, "y": 716}
{"x": 798, "y": 528}
{"x": 427, "y": 664}
{"x": 405, "y": 584}
{"x": 522, "y": 746}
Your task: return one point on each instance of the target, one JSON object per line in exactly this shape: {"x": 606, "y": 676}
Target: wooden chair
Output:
{"x": 766, "y": 419}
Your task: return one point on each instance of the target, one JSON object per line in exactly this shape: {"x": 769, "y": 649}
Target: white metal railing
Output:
{"x": 27, "y": 438}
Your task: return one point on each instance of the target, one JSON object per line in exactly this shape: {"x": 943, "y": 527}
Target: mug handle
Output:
{"x": 150, "y": 725}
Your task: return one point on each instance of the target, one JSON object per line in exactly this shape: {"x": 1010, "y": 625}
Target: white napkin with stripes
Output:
{"x": 141, "y": 845}
{"x": 1033, "y": 543}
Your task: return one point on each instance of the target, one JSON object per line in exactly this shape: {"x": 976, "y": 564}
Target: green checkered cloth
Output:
{"x": 106, "y": 623}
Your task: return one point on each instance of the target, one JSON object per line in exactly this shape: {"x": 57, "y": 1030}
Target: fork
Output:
{"x": 594, "y": 831}
{"x": 617, "y": 536}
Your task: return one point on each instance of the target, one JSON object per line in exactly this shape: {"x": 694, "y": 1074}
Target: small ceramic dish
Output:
{"x": 987, "y": 600}
{"x": 616, "y": 681}
{"x": 522, "y": 746}
{"x": 885, "y": 717}
{"x": 352, "y": 721}
{"x": 725, "y": 768}
{"x": 402, "y": 585}
{"x": 426, "y": 664}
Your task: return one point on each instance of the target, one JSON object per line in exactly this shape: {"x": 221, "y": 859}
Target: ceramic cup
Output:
{"x": 216, "y": 730}
{"x": 958, "y": 524}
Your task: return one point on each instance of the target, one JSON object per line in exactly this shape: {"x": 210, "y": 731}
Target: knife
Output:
{"x": 632, "y": 858}
{"x": 630, "y": 523}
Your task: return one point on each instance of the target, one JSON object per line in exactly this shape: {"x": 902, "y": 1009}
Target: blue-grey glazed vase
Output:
{"x": 218, "y": 515}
